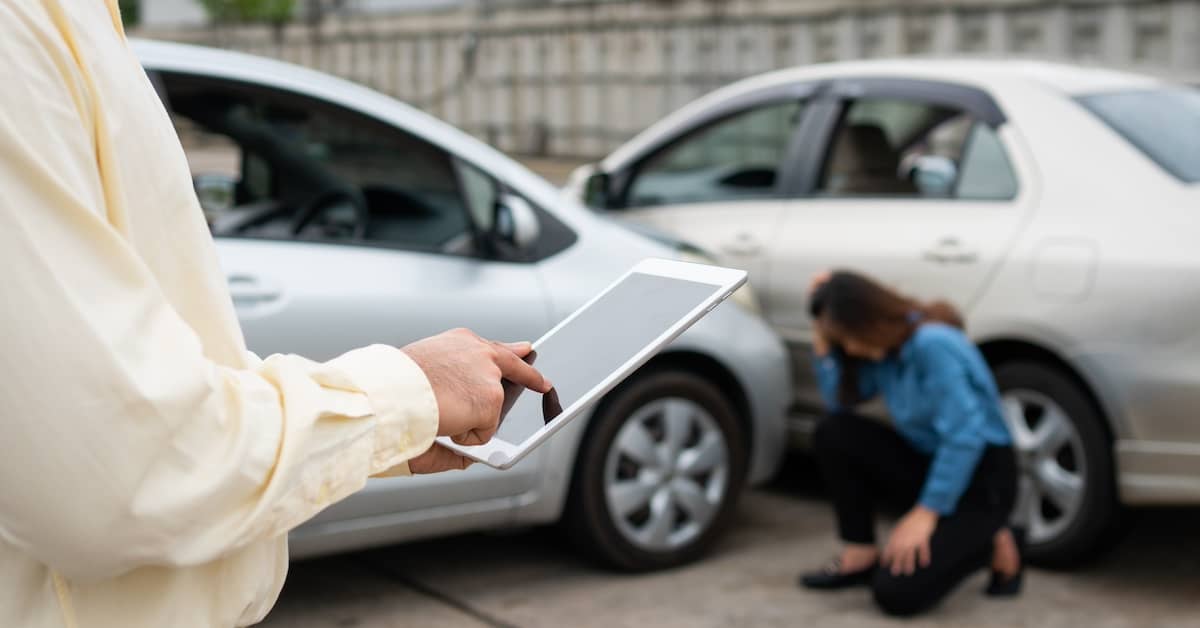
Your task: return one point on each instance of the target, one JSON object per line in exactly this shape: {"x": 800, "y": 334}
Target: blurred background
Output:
{"x": 575, "y": 78}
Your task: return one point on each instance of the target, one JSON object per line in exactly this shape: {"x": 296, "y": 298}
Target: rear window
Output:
{"x": 1163, "y": 123}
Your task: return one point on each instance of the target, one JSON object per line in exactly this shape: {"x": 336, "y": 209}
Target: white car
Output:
{"x": 1057, "y": 206}
{"x": 345, "y": 218}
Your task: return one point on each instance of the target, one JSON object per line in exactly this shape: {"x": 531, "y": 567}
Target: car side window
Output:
{"x": 987, "y": 174}
{"x": 736, "y": 157}
{"x": 482, "y": 193}
{"x": 302, "y": 168}
{"x": 905, "y": 148}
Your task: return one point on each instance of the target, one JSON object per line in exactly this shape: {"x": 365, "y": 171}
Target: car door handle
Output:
{"x": 950, "y": 251}
{"x": 743, "y": 244}
{"x": 249, "y": 291}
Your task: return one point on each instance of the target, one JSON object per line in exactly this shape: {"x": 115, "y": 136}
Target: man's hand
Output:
{"x": 437, "y": 459}
{"x": 908, "y": 546}
{"x": 465, "y": 372}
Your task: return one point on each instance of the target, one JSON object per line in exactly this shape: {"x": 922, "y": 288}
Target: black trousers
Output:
{"x": 866, "y": 464}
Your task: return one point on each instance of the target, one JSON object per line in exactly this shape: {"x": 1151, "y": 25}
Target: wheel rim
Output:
{"x": 666, "y": 473}
{"x": 1052, "y": 464}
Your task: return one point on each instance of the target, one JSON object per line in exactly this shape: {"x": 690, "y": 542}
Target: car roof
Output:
{"x": 979, "y": 72}
{"x": 996, "y": 76}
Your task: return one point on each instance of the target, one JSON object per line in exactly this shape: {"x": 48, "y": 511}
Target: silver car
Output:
{"x": 1056, "y": 205}
{"x": 345, "y": 218}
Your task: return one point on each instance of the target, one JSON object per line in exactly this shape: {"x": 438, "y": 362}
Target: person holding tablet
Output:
{"x": 151, "y": 467}
{"x": 948, "y": 461}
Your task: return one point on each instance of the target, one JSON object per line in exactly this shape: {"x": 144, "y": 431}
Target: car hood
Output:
{"x": 676, "y": 245}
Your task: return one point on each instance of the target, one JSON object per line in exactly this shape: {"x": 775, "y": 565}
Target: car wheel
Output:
{"x": 658, "y": 474}
{"x": 1066, "y": 499}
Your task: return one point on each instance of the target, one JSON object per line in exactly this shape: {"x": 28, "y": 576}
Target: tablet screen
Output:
{"x": 599, "y": 341}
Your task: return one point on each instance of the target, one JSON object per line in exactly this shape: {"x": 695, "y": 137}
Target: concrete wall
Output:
{"x": 577, "y": 77}
{"x": 172, "y": 13}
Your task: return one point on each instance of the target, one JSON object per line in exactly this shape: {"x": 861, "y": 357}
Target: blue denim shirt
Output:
{"x": 943, "y": 399}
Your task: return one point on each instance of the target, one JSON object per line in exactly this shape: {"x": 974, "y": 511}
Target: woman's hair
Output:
{"x": 855, "y": 305}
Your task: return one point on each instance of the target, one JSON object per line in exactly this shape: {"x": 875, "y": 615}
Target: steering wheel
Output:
{"x": 331, "y": 198}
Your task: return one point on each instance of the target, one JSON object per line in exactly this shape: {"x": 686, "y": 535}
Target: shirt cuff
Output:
{"x": 938, "y": 502}
{"x": 402, "y": 399}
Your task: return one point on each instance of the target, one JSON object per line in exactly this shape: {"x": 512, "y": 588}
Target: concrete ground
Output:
{"x": 533, "y": 580}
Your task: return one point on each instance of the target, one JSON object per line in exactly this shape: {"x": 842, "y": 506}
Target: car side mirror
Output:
{"x": 935, "y": 175}
{"x": 216, "y": 192}
{"x": 516, "y": 222}
{"x": 595, "y": 190}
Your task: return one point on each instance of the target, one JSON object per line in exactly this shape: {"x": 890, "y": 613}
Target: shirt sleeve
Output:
{"x": 829, "y": 376}
{"x": 958, "y": 422}
{"x": 123, "y": 444}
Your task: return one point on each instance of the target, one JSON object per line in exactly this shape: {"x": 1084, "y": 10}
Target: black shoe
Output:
{"x": 1009, "y": 586}
{"x": 831, "y": 577}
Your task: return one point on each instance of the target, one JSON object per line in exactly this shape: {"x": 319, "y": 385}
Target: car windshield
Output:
{"x": 1163, "y": 123}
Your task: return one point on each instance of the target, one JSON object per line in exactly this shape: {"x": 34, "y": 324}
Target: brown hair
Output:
{"x": 856, "y": 305}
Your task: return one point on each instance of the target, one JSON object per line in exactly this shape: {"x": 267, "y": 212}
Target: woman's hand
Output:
{"x": 818, "y": 280}
{"x": 908, "y": 546}
{"x": 820, "y": 344}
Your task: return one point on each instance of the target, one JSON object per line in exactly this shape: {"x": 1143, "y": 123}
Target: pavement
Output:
{"x": 532, "y": 579}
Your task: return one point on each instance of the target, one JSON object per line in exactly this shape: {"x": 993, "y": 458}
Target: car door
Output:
{"x": 715, "y": 181}
{"x": 912, "y": 182}
{"x": 311, "y": 273}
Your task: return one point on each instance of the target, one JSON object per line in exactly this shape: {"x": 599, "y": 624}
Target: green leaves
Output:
{"x": 275, "y": 11}
{"x": 130, "y": 12}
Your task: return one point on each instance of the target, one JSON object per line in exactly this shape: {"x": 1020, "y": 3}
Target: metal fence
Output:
{"x": 578, "y": 79}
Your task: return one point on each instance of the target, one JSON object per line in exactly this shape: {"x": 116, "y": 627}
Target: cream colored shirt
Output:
{"x": 150, "y": 467}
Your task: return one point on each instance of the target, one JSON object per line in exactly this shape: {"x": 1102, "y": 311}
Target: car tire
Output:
{"x": 1066, "y": 493}
{"x": 631, "y": 510}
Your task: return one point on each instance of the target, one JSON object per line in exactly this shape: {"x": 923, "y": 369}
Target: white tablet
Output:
{"x": 602, "y": 343}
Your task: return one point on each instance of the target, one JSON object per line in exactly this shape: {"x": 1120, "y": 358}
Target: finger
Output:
{"x": 898, "y": 564}
{"x": 522, "y": 349}
{"x": 925, "y": 554}
{"x": 910, "y": 561}
{"x": 819, "y": 279}
{"x": 474, "y": 437}
{"x": 436, "y": 460}
{"x": 515, "y": 370}
{"x": 450, "y": 459}
{"x": 446, "y": 460}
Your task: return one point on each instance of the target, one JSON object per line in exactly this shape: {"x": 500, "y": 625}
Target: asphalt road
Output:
{"x": 531, "y": 579}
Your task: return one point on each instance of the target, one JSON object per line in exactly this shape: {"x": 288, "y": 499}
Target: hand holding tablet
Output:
{"x": 462, "y": 371}
{"x": 598, "y": 346}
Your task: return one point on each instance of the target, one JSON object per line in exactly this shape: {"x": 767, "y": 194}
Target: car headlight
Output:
{"x": 744, "y": 296}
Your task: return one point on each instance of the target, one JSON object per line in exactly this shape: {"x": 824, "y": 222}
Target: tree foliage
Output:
{"x": 130, "y": 11}
{"x": 275, "y": 11}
